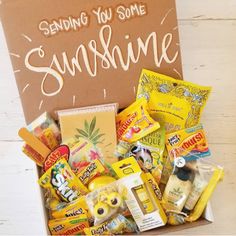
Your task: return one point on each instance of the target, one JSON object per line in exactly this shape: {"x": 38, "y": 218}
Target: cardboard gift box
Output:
{"x": 75, "y": 53}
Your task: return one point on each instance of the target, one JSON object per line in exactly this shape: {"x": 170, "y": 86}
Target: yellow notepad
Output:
{"x": 96, "y": 125}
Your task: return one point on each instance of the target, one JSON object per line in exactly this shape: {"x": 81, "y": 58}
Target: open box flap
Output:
{"x": 75, "y": 53}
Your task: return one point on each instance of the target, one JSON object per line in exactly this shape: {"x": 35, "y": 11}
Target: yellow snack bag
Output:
{"x": 98, "y": 230}
{"x": 177, "y": 104}
{"x": 135, "y": 122}
{"x": 63, "y": 210}
{"x": 69, "y": 226}
{"x": 62, "y": 182}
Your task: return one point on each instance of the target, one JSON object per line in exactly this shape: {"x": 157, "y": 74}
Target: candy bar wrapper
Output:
{"x": 190, "y": 144}
{"x": 69, "y": 226}
{"x": 33, "y": 155}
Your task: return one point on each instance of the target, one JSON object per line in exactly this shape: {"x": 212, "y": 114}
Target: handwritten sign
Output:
{"x": 74, "y": 53}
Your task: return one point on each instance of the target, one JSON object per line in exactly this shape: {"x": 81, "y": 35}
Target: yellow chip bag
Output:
{"x": 175, "y": 103}
{"x": 135, "y": 122}
{"x": 62, "y": 182}
{"x": 68, "y": 226}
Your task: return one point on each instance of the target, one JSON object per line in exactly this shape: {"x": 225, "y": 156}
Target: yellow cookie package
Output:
{"x": 152, "y": 169}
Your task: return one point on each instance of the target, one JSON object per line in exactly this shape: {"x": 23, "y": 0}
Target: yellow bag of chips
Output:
{"x": 175, "y": 103}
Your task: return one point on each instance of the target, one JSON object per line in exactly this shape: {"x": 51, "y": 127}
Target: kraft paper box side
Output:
{"x": 75, "y": 53}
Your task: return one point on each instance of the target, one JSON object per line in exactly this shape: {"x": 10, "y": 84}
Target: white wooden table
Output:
{"x": 208, "y": 41}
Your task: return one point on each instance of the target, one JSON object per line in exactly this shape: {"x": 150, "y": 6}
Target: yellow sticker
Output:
{"x": 135, "y": 122}
{"x": 62, "y": 182}
{"x": 177, "y": 104}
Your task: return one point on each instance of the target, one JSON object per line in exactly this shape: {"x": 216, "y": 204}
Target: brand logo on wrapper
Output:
{"x": 61, "y": 184}
{"x": 188, "y": 143}
{"x": 61, "y": 152}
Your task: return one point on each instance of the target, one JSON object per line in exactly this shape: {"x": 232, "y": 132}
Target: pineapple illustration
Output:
{"x": 90, "y": 133}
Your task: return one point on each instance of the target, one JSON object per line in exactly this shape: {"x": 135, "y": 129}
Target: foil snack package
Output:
{"x": 174, "y": 103}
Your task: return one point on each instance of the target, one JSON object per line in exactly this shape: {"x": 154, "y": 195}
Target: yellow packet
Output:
{"x": 62, "y": 182}
{"x": 67, "y": 210}
{"x": 151, "y": 180}
{"x": 98, "y": 230}
{"x": 135, "y": 122}
{"x": 69, "y": 226}
{"x": 89, "y": 172}
{"x": 175, "y": 103}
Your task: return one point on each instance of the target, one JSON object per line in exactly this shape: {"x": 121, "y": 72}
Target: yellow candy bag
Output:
{"x": 63, "y": 210}
{"x": 98, "y": 230}
{"x": 62, "y": 182}
{"x": 177, "y": 104}
{"x": 69, "y": 226}
{"x": 135, "y": 122}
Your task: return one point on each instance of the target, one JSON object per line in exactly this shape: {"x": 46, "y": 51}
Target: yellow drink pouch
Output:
{"x": 62, "y": 182}
{"x": 135, "y": 122}
{"x": 177, "y": 104}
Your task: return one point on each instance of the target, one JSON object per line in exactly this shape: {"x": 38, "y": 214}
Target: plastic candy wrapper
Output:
{"x": 69, "y": 226}
{"x": 61, "y": 152}
{"x": 33, "y": 155}
{"x": 105, "y": 202}
{"x": 42, "y": 124}
{"x": 94, "y": 169}
{"x": 176, "y": 104}
{"x": 62, "y": 182}
{"x": 82, "y": 153}
{"x": 98, "y": 230}
{"x": 134, "y": 122}
{"x": 190, "y": 143}
{"x": 148, "y": 152}
{"x": 189, "y": 188}
{"x": 120, "y": 225}
{"x": 63, "y": 209}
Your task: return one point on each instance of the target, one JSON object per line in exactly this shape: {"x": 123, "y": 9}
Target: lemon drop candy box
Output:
{"x": 174, "y": 103}
{"x": 94, "y": 128}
